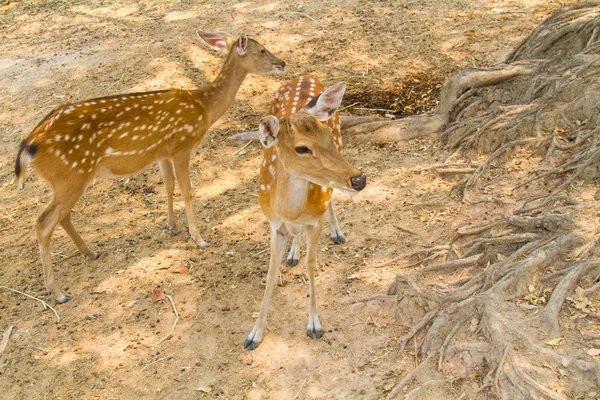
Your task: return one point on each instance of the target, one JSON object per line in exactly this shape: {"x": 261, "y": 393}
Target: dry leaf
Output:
{"x": 389, "y": 386}
{"x": 204, "y": 389}
{"x": 5, "y": 338}
{"x": 580, "y": 292}
{"x": 158, "y": 295}
{"x": 555, "y": 342}
{"x": 594, "y": 352}
{"x": 182, "y": 270}
{"x": 353, "y": 277}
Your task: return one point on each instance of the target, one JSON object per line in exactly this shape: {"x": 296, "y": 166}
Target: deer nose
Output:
{"x": 359, "y": 182}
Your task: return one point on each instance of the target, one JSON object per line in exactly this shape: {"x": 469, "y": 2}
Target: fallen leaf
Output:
{"x": 158, "y": 295}
{"x": 255, "y": 315}
{"x": 389, "y": 386}
{"x": 580, "y": 292}
{"x": 354, "y": 277}
{"x": 182, "y": 270}
{"x": 5, "y": 338}
{"x": 555, "y": 342}
{"x": 204, "y": 389}
{"x": 594, "y": 352}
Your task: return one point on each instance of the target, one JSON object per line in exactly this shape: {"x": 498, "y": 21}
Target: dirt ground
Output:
{"x": 394, "y": 56}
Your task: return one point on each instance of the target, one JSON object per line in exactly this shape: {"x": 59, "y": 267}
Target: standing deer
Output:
{"x": 301, "y": 90}
{"x": 301, "y": 165}
{"x": 120, "y": 135}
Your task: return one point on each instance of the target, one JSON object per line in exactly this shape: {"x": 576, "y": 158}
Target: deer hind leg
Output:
{"x": 314, "y": 328}
{"x": 70, "y": 229}
{"x": 58, "y": 210}
{"x": 293, "y": 257}
{"x": 166, "y": 171}
{"x": 181, "y": 164}
{"x": 278, "y": 242}
{"x": 336, "y": 232}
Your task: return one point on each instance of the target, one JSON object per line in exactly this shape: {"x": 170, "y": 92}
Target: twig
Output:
{"x": 46, "y": 305}
{"x": 121, "y": 78}
{"x": 242, "y": 148}
{"x": 175, "y": 323}
{"x": 347, "y": 107}
{"x": 405, "y": 255}
{"x": 260, "y": 252}
{"x": 405, "y": 230}
{"x": 375, "y": 109}
{"x": 5, "y": 338}
{"x": 301, "y": 387}
{"x": 154, "y": 362}
{"x": 299, "y": 13}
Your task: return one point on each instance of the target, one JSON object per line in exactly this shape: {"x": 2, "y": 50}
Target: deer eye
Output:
{"x": 263, "y": 51}
{"x": 303, "y": 150}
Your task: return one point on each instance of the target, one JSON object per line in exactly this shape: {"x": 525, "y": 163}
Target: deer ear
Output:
{"x": 214, "y": 40}
{"x": 268, "y": 131}
{"x": 326, "y": 104}
{"x": 241, "y": 44}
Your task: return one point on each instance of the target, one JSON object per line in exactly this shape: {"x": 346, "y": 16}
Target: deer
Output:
{"x": 118, "y": 136}
{"x": 301, "y": 90}
{"x": 301, "y": 165}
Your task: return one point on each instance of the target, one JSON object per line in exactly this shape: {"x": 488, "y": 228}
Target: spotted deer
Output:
{"x": 291, "y": 97}
{"x": 301, "y": 165}
{"x": 120, "y": 135}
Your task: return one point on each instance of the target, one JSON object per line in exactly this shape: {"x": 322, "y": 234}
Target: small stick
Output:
{"x": 375, "y": 109}
{"x": 242, "y": 148}
{"x": 176, "y": 319}
{"x": 5, "y": 337}
{"x": 46, "y": 305}
{"x": 401, "y": 256}
{"x": 301, "y": 14}
{"x": 347, "y": 107}
{"x": 154, "y": 362}
{"x": 260, "y": 252}
{"x": 301, "y": 387}
{"x": 401, "y": 229}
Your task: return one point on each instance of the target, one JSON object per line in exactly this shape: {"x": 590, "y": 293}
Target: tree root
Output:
{"x": 562, "y": 290}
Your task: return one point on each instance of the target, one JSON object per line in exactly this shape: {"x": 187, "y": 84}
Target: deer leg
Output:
{"x": 313, "y": 329}
{"x": 70, "y": 229}
{"x": 278, "y": 242}
{"x": 181, "y": 165}
{"x": 166, "y": 171}
{"x": 293, "y": 257}
{"x": 336, "y": 232}
{"x": 58, "y": 210}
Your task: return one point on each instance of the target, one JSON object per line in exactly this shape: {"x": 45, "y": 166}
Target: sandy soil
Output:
{"x": 57, "y": 52}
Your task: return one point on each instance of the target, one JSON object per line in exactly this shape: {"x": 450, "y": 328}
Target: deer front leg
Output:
{"x": 166, "y": 171}
{"x": 278, "y": 242}
{"x": 314, "y": 328}
{"x": 336, "y": 232}
{"x": 181, "y": 164}
{"x": 58, "y": 210}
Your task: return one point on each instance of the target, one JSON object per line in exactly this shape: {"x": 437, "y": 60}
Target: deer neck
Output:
{"x": 218, "y": 96}
{"x": 292, "y": 193}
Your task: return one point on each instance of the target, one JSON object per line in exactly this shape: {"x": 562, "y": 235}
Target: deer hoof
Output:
{"x": 314, "y": 334}
{"x": 291, "y": 262}
{"x": 338, "y": 238}
{"x": 97, "y": 255}
{"x": 63, "y": 299}
{"x": 250, "y": 344}
{"x": 174, "y": 231}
